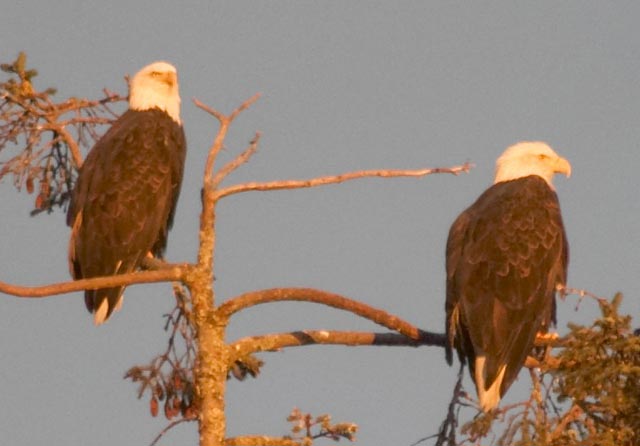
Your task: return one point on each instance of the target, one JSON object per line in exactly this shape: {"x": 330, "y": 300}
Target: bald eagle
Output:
{"x": 506, "y": 254}
{"x": 125, "y": 197}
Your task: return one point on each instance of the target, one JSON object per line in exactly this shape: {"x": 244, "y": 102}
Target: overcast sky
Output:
{"x": 346, "y": 86}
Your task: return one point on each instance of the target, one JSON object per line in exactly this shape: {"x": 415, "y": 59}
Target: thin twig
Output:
{"x": 73, "y": 146}
{"x": 245, "y": 105}
{"x": 581, "y": 293}
{"x": 573, "y": 414}
{"x": 447, "y": 430}
{"x": 169, "y": 427}
{"x": 237, "y": 161}
{"x": 225, "y": 121}
{"x": 322, "y": 181}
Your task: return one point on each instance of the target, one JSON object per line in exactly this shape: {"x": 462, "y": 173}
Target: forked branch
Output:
{"x": 237, "y": 161}
{"x": 207, "y": 217}
{"x": 225, "y": 122}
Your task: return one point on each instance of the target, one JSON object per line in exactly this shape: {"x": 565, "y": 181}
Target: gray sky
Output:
{"x": 346, "y": 86}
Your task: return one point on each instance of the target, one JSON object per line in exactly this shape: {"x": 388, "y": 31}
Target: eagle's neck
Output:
{"x": 149, "y": 99}
{"x": 508, "y": 173}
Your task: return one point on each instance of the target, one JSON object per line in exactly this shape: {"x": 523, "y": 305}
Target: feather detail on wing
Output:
{"x": 505, "y": 255}
{"x": 124, "y": 201}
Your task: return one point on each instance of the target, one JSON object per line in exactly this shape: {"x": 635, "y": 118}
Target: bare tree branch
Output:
{"x": 380, "y": 317}
{"x": 565, "y": 291}
{"x": 207, "y": 217}
{"x": 237, "y": 161}
{"x": 40, "y": 139}
{"x": 177, "y": 273}
{"x": 261, "y": 440}
{"x": 71, "y": 143}
{"x": 168, "y": 428}
{"x": 323, "y": 181}
{"x": 225, "y": 121}
{"x": 277, "y": 341}
{"x": 212, "y": 353}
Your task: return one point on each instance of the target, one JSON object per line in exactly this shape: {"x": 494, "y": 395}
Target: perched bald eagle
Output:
{"x": 125, "y": 198}
{"x": 506, "y": 254}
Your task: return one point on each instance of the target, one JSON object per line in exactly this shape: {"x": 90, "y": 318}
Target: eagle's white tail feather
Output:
{"x": 489, "y": 398}
{"x": 118, "y": 303}
{"x": 100, "y": 313}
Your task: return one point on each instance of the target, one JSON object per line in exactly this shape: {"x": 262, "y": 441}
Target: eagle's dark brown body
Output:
{"x": 506, "y": 254}
{"x": 124, "y": 200}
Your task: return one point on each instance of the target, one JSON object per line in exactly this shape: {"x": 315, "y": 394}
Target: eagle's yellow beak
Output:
{"x": 561, "y": 165}
{"x": 166, "y": 77}
{"x": 170, "y": 79}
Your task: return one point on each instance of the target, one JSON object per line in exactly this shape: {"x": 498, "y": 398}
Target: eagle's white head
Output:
{"x": 530, "y": 158}
{"x": 156, "y": 86}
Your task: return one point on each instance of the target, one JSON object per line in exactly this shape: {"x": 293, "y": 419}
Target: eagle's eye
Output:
{"x": 542, "y": 156}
